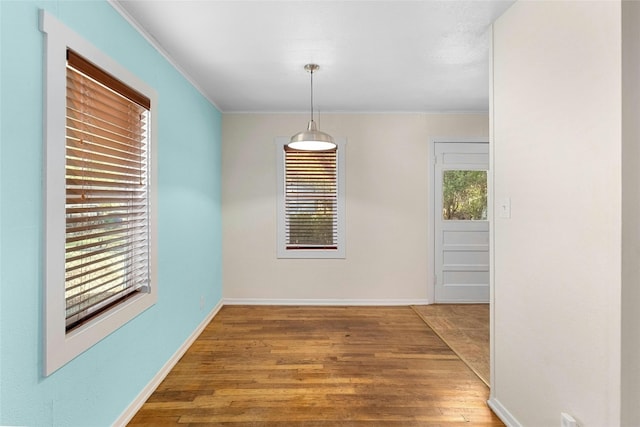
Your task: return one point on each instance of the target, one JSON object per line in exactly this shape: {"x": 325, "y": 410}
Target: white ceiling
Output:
{"x": 374, "y": 56}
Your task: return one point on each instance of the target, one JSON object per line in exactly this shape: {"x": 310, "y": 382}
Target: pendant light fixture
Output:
{"x": 312, "y": 139}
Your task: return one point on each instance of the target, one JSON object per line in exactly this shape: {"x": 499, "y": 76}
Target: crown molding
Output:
{"x": 156, "y": 45}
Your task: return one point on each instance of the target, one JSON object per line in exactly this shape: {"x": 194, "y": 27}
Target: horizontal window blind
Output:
{"x": 311, "y": 214}
{"x": 107, "y": 191}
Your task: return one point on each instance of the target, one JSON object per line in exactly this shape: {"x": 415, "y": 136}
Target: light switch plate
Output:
{"x": 504, "y": 208}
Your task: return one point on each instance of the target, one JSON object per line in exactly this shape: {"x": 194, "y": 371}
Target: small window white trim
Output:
{"x": 282, "y": 251}
{"x": 60, "y": 346}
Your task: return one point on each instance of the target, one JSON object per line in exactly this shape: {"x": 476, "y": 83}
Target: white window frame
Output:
{"x": 62, "y": 346}
{"x": 282, "y": 251}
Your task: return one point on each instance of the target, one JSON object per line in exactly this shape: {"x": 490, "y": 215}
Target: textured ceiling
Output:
{"x": 374, "y": 56}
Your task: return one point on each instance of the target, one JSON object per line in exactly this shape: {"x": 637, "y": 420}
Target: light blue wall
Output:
{"x": 96, "y": 387}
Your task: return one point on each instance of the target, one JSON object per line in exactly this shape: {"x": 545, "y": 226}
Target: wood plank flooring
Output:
{"x": 318, "y": 366}
{"x": 465, "y": 328}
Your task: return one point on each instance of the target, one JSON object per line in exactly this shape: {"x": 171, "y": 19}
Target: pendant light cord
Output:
{"x": 311, "y": 95}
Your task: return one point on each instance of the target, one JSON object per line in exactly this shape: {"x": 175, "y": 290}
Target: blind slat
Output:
{"x": 103, "y": 110}
{"x": 103, "y": 86}
{"x": 120, "y": 201}
{"x": 106, "y": 79}
{"x": 82, "y": 295}
{"x": 104, "y": 279}
{"x": 86, "y": 212}
{"x": 124, "y": 125}
{"x": 105, "y": 217}
{"x": 108, "y": 233}
{"x": 93, "y": 159}
{"x": 130, "y": 225}
{"x": 91, "y": 185}
{"x": 85, "y": 140}
{"x": 112, "y": 176}
{"x": 89, "y": 262}
{"x": 117, "y": 112}
{"x": 75, "y": 250}
{"x": 104, "y": 100}
{"x": 86, "y": 302}
{"x": 89, "y": 256}
{"x": 86, "y": 164}
{"x": 119, "y": 121}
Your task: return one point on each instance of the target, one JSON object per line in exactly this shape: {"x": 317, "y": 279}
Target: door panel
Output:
{"x": 465, "y": 158}
{"x": 461, "y": 225}
{"x": 464, "y": 260}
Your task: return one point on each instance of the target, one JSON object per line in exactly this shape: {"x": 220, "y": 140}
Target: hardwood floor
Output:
{"x": 318, "y": 366}
{"x": 465, "y": 328}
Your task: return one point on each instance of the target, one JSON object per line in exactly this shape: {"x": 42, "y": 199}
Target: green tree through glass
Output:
{"x": 464, "y": 195}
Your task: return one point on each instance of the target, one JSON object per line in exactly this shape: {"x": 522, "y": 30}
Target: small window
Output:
{"x": 310, "y": 202}
{"x": 464, "y": 195}
{"x": 100, "y": 195}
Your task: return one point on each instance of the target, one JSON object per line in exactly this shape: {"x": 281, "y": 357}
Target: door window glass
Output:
{"x": 464, "y": 195}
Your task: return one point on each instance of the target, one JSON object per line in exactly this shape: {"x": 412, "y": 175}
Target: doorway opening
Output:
{"x": 459, "y": 233}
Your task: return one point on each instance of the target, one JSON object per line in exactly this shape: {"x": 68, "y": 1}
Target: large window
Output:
{"x": 310, "y": 202}
{"x": 100, "y": 240}
{"x": 107, "y": 191}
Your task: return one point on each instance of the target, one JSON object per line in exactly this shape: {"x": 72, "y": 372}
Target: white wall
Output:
{"x": 557, "y": 155}
{"x": 631, "y": 213}
{"x": 386, "y": 207}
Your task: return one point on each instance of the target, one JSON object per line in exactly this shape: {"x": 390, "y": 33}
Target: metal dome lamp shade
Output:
{"x": 312, "y": 139}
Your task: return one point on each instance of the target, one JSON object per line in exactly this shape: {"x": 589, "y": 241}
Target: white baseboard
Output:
{"x": 142, "y": 397}
{"x": 502, "y": 413}
{"x": 323, "y": 302}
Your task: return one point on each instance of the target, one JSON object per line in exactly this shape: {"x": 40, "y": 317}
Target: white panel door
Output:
{"x": 461, "y": 225}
